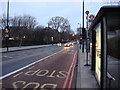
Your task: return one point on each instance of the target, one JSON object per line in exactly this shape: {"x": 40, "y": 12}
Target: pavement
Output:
{"x": 85, "y": 77}
{"x": 10, "y": 49}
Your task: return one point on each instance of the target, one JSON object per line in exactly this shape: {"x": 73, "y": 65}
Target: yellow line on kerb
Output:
{"x": 17, "y": 74}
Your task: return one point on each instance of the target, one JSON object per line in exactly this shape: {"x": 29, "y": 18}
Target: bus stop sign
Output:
{"x": 91, "y": 17}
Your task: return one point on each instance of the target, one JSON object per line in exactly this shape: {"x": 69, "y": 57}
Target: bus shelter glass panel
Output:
{"x": 113, "y": 56}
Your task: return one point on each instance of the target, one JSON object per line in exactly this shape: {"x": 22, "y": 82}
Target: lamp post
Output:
{"x": 7, "y": 27}
{"x": 8, "y": 13}
{"x": 83, "y": 13}
{"x": 21, "y": 40}
{"x": 52, "y": 40}
{"x": 73, "y": 37}
{"x": 7, "y": 36}
{"x": 83, "y": 31}
{"x": 80, "y": 38}
{"x": 79, "y": 29}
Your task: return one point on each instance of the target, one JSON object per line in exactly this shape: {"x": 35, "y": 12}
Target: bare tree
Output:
{"x": 3, "y": 21}
{"x": 16, "y": 21}
{"x": 59, "y": 23}
{"x": 25, "y": 21}
{"x": 29, "y": 21}
{"x": 119, "y": 3}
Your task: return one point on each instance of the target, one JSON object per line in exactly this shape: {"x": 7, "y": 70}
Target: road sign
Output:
{"x": 87, "y": 12}
{"x": 91, "y": 17}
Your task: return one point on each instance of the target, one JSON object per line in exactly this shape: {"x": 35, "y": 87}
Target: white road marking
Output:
{"x": 7, "y": 57}
{"x": 17, "y": 74}
{"x": 29, "y": 65}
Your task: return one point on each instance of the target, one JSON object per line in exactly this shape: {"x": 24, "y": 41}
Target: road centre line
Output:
{"x": 66, "y": 80}
{"x": 29, "y": 65}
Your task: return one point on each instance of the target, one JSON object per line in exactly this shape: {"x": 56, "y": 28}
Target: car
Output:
{"x": 67, "y": 44}
{"x": 71, "y": 43}
{"x": 59, "y": 44}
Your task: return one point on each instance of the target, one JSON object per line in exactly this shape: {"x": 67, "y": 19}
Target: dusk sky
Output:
{"x": 44, "y": 10}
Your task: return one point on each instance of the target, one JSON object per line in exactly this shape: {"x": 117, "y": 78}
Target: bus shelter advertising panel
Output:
{"x": 98, "y": 53}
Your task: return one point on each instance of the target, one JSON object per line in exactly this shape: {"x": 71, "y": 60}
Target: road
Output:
{"x": 54, "y": 71}
{"x": 12, "y": 61}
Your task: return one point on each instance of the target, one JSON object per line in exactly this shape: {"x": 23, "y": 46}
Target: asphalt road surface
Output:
{"x": 54, "y": 71}
{"x": 12, "y": 61}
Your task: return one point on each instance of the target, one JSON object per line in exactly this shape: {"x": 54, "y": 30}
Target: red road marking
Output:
{"x": 71, "y": 78}
{"x": 66, "y": 80}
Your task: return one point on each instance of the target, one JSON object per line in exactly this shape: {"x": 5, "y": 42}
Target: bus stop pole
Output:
{"x": 87, "y": 41}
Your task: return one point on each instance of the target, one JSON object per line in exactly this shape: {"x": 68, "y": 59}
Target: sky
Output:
{"x": 43, "y": 10}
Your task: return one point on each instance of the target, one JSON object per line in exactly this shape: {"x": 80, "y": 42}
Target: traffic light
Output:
{"x": 83, "y": 33}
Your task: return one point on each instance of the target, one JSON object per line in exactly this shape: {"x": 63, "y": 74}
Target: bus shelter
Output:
{"x": 105, "y": 57}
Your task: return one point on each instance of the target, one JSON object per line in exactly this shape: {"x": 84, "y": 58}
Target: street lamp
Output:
{"x": 7, "y": 36}
{"x": 21, "y": 40}
{"x": 24, "y": 37}
{"x": 7, "y": 27}
{"x": 73, "y": 35}
{"x": 83, "y": 31}
{"x": 8, "y": 13}
{"x": 80, "y": 33}
{"x": 83, "y": 13}
{"x": 52, "y": 40}
{"x": 79, "y": 29}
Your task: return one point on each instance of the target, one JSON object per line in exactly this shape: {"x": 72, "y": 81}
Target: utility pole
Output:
{"x": 7, "y": 27}
{"x": 80, "y": 33}
{"x": 83, "y": 13}
{"x": 83, "y": 31}
{"x": 8, "y": 13}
